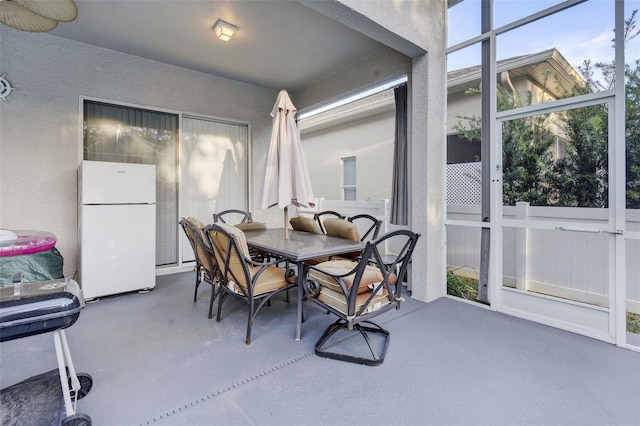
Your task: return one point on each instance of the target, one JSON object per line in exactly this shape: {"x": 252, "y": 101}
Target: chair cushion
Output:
{"x": 238, "y": 235}
{"x": 305, "y": 224}
{"x": 251, "y": 226}
{"x": 372, "y": 275}
{"x": 341, "y": 228}
{"x": 205, "y": 257}
{"x": 269, "y": 280}
{"x": 197, "y": 224}
{"x": 338, "y": 300}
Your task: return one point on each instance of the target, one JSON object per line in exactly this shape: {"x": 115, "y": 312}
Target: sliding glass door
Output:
{"x": 201, "y": 164}
{"x": 213, "y": 169}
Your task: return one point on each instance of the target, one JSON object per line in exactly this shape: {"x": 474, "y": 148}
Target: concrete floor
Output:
{"x": 156, "y": 358}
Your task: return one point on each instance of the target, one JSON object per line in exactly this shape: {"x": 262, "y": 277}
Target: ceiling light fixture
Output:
{"x": 224, "y": 30}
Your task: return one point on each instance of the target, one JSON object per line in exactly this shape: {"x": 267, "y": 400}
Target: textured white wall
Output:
{"x": 368, "y": 139}
{"x": 39, "y": 129}
{"x": 39, "y": 136}
{"x": 417, "y": 29}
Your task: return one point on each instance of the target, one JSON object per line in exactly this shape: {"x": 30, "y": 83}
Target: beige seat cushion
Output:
{"x": 305, "y": 224}
{"x": 371, "y": 276}
{"x": 237, "y": 235}
{"x": 201, "y": 252}
{"x": 251, "y": 226}
{"x": 196, "y": 223}
{"x": 270, "y": 279}
{"x": 341, "y": 228}
{"x": 338, "y": 300}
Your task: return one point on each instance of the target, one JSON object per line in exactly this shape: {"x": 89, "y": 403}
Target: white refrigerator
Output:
{"x": 117, "y": 227}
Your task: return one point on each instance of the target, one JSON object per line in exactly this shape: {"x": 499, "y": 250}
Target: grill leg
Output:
{"x": 62, "y": 349}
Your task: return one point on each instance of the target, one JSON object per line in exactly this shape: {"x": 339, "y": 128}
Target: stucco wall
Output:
{"x": 369, "y": 139}
{"x": 39, "y": 129}
{"x": 417, "y": 30}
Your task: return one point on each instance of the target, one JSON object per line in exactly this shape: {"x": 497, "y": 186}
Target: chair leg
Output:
{"x": 214, "y": 293}
{"x": 198, "y": 280}
{"x": 223, "y": 295}
{"x": 376, "y": 359}
{"x": 250, "y": 322}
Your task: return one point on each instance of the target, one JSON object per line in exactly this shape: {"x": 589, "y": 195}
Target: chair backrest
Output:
{"x": 231, "y": 251}
{"x": 203, "y": 252}
{"x": 305, "y": 224}
{"x": 321, "y": 216}
{"x": 368, "y": 222}
{"x": 396, "y": 265}
{"x": 341, "y": 228}
{"x": 232, "y": 216}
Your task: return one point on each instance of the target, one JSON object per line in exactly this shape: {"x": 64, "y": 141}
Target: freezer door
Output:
{"x": 117, "y": 249}
{"x": 102, "y": 182}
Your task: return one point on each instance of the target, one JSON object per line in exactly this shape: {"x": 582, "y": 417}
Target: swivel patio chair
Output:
{"x": 357, "y": 292}
{"x": 252, "y": 282}
{"x": 206, "y": 264}
{"x": 321, "y": 216}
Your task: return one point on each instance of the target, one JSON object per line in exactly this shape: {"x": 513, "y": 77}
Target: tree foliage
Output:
{"x": 580, "y": 177}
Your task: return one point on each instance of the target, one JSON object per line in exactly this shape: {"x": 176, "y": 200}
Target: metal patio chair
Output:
{"x": 357, "y": 292}
{"x": 255, "y": 283}
{"x": 206, "y": 265}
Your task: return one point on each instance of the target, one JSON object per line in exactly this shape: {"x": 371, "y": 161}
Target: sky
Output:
{"x": 582, "y": 32}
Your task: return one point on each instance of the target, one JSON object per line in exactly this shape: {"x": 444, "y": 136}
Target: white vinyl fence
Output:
{"x": 571, "y": 265}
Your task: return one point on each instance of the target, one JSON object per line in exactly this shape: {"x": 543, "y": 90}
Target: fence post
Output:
{"x": 522, "y": 234}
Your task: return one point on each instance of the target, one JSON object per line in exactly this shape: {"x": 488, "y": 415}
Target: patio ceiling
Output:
{"x": 279, "y": 44}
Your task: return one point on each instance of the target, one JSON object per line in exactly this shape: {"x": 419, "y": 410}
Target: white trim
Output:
{"x": 588, "y": 320}
{"x": 557, "y": 106}
{"x": 617, "y": 193}
{"x": 355, "y": 97}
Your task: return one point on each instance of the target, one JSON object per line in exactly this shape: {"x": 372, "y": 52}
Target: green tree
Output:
{"x": 632, "y": 134}
{"x": 580, "y": 177}
{"x": 585, "y": 170}
{"x": 526, "y": 158}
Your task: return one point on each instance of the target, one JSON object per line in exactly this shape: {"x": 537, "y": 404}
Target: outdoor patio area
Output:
{"x": 156, "y": 358}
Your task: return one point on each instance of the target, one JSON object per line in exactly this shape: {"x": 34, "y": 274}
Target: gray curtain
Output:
{"x": 399, "y": 191}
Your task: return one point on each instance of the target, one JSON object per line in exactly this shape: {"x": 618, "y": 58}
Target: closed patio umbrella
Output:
{"x": 287, "y": 177}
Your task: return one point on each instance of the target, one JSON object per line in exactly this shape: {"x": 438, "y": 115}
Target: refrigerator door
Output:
{"x": 117, "y": 249}
{"x": 102, "y": 182}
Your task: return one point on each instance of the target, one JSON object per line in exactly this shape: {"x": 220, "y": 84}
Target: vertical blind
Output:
{"x": 123, "y": 134}
{"x": 210, "y": 173}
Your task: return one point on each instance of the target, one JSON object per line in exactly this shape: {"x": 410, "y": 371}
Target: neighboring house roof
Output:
{"x": 535, "y": 66}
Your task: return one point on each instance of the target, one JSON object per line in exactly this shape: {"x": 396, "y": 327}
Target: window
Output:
{"x": 349, "y": 178}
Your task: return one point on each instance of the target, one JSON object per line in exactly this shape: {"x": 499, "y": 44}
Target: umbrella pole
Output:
{"x": 286, "y": 222}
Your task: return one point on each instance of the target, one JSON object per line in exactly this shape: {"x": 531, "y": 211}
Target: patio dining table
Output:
{"x": 298, "y": 247}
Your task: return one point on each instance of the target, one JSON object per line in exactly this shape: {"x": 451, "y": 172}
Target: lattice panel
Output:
{"x": 464, "y": 184}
